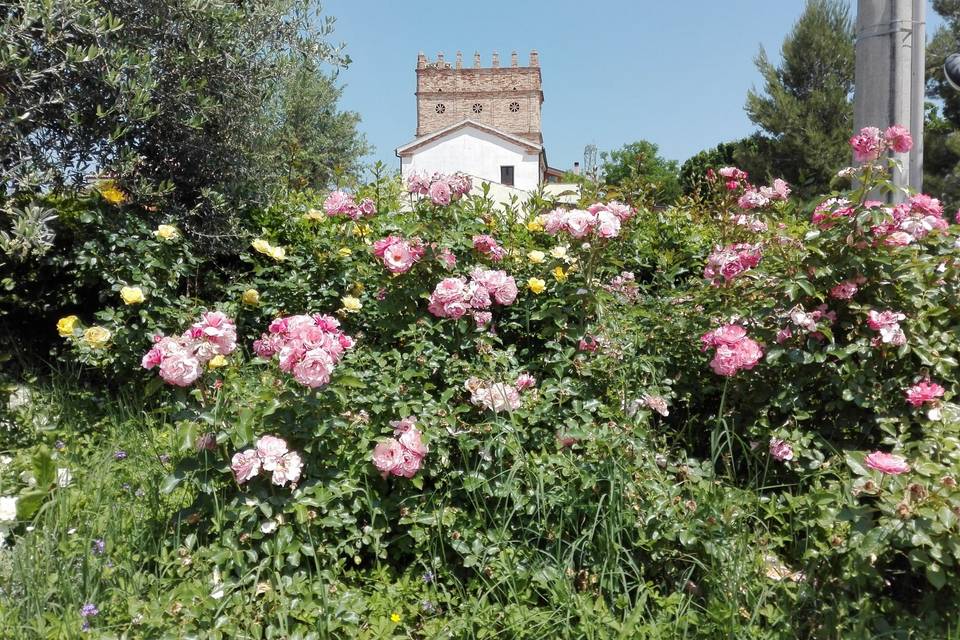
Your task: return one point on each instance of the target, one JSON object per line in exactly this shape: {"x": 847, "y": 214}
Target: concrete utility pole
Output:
{"x": 889, "y": 77}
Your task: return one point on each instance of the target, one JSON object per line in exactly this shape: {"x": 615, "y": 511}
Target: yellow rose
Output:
{"x": 67, "y": 325}
{"x": 536, "y": 257}
{"x": 313, "y": 214}
{"x": 537, "y": 285}
{"x": 362, "y": 229}
{"x": 132, "y": 295}
{"x": 535, "y": 224}
{"x": 344, "y": 252}
{"x": 111, "y": 193}
{"x": 166, "y": 232}
{"x": 559, "y": 274}
{"x": 217, "y": 361}
{"x": 351, "y": 304}
{"x": 278, "y": 253}
{"x": 97, "y": 337}
{"x": 250, "y": 297}
{"x": 262, "y": 246}
{"x": 559, "y": 252}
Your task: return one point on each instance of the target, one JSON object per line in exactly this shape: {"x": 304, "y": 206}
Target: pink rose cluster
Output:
{"x": 307, "y": 346}
{"x": 600, "y": 220}
{"x": 887, "y": 324}
{"x": 624, "y": 285}
{"x": 181, "y": 360}
{"x": 488, "y": 246}
{"x": 924, "y": 392}
{"x": 498, "y": 396}
{"x": 734, "y": 350}
{"x": 456, "y": 297}
{"x": 887, "y": 463}
{"x": 398, "y": 254}
{"x": 403, "y": 454}
{"x": 339, "y": 203}
{"x": 725, "y": 264}
{"x": 757, "y": 198}
{"x": 871, "y": 143}
{"x": 911, "y": 220}
{"x": 733, "y": 177}
{"x": 442, "y": 189}
{"x": 269, "y": 453}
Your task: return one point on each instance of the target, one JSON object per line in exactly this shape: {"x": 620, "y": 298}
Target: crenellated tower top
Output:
{"x": 505, "y": 97}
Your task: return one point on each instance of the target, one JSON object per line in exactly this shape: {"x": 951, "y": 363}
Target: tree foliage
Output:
{"x": 172, "y": 98}
{"x": 805, "y": 112}
{"x": 637, "y": 173}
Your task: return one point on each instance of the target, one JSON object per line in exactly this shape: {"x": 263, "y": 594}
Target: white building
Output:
{"x": 484, "y": 122}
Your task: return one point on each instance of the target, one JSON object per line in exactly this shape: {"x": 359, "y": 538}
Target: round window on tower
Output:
{"x": 440, "y": 108}
{"x": 477, "y": 107}
{"x": 514, "y": 107}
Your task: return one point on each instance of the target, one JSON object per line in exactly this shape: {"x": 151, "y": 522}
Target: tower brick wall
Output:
{"x": 508, "y": 98}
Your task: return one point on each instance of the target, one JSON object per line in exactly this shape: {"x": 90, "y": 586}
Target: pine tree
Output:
{"x": 805, "y": 113}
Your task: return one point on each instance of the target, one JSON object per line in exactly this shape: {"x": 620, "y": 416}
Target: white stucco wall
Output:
{"x": 477, "y": 153}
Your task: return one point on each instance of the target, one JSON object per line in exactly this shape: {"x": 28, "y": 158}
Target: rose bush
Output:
{"x": 410, "y": 412}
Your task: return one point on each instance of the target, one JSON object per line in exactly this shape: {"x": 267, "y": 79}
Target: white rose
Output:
{"x": 8, "y": 508}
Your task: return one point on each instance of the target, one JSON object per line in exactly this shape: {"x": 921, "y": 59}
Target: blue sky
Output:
{"x": 675, "y": 72}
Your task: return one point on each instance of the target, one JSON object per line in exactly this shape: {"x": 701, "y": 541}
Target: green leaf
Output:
{"x": 936, "y": 575}
{"x": 44, "y": 470}
{"x": 29, "y": 502}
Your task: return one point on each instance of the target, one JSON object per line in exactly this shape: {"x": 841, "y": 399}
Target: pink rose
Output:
{"x": 608, "y": 225}
{"x": 337, "y": 202}
{"x": 367, "y": 207}
{"x": 409, "y": 436}
{"x": 398, "y": 258}
{"x": 780, "y": 450}
{"x": 270, "y": 449}
{"x": 287, "y": 469}
{"x": 440, "y": 193}
{"x": 588, "y": 343}
{"x": 180, "y": 368}
{"x": 887, "y": 463}
{"x": 579, "y": 222}
{"x": 752, "y": 199}
{"x": 388, "y": 456}
{"x": 898, "y": 138}
{"x": 845, "y": 290}
{"x": 314, "y": 369}
{"x": 525, "y": 381}
{"x": 923, "y": 392}
{"x": 867, "y": 145}
{"x": 245, "y": 465}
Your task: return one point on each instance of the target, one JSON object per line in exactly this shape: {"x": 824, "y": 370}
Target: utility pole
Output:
{"x": 890, "y": 77}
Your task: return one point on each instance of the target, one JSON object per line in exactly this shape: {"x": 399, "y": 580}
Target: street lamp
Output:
{"x": 951, "y": 69}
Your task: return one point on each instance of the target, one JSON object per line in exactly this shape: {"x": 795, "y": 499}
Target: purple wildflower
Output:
{"x": 88, "y": 610}
{"x": 98, "y": 546}
{"x": 119, "y": 454}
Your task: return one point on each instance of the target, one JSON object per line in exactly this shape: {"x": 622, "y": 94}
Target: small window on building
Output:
{"x": 477, "y": 107}
{"x": 440, "y": 108}
{"x": 514, "y": 106}
{"x": 506, "y": 175}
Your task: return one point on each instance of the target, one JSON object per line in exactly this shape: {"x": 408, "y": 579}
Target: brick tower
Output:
{"x": 506, "y": 98}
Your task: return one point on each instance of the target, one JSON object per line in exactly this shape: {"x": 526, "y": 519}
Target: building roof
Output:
{"x": 415, "y": 144}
